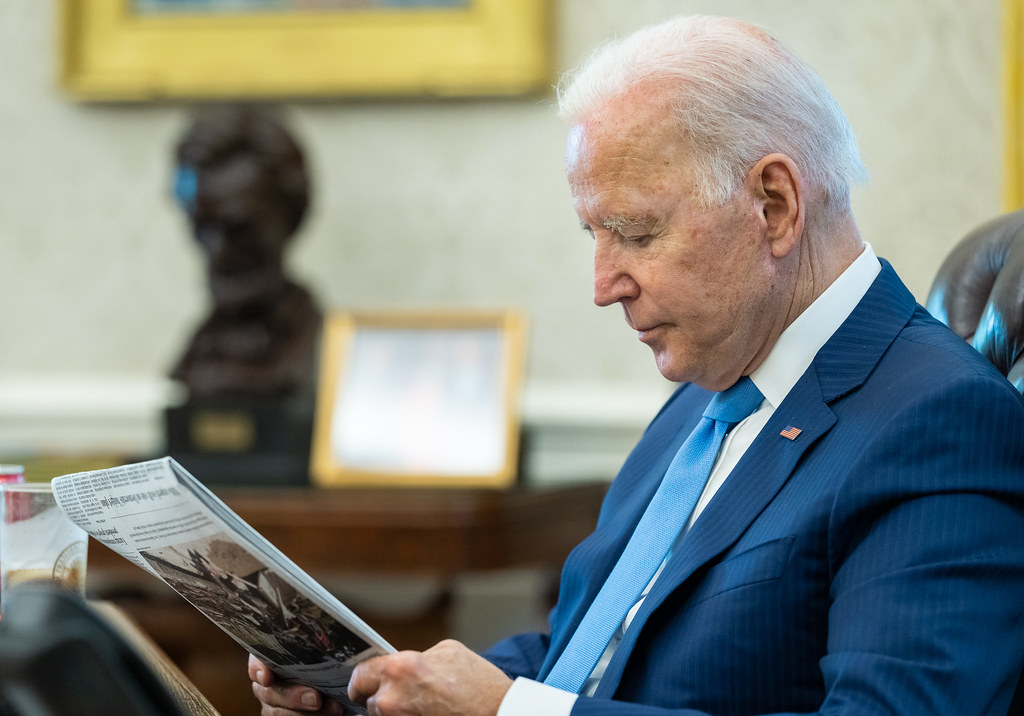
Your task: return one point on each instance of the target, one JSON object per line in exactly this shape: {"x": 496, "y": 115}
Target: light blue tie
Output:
{"x": 659, "y": 527}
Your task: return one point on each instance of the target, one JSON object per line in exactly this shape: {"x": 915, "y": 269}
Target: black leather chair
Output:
{"x": 979, "y": 293}
{"x": 59, "y": 657}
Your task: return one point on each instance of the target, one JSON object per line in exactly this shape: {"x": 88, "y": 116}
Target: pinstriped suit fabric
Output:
{"x": 663, "y": 519}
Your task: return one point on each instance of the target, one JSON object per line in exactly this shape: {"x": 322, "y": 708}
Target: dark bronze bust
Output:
{"x": 242, "y": 181}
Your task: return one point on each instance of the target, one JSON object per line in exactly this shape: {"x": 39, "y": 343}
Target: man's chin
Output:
{"x": 669, "y": 368}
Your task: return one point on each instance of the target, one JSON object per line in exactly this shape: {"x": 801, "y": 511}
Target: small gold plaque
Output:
{"x": 222, "y": 431}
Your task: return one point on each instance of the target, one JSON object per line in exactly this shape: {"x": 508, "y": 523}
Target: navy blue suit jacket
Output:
{"x": 872, "y": 565}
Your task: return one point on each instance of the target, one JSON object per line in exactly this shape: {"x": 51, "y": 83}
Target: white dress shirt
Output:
{"x": 775, "y": 377}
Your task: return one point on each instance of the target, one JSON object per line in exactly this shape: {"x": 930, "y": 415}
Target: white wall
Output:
{"x": 442, "y": 202}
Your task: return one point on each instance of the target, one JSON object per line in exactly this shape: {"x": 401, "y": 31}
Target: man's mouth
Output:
{"x": 641, "y": 332}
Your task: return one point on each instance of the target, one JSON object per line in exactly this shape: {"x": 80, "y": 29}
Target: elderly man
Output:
{"x": 858, "y": 547}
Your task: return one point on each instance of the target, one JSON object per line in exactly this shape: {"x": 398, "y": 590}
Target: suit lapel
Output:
{"x": 756, "y": 479}
{"x": 842, "y": 365}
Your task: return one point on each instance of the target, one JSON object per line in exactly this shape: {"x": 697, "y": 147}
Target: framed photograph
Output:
{"x": 134, "y": 50}
{"x": 418, "y": 399}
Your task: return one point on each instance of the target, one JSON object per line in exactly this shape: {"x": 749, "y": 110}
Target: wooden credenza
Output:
{"x": 435, "y": 534}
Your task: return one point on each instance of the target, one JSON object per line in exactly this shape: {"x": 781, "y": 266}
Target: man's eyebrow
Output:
{"x": 620, "y": 222}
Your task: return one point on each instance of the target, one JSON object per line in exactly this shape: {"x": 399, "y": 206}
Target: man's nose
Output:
{"x": 612, "y": 283}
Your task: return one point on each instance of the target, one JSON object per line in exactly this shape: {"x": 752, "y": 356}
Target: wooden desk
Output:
{"x": 402, "y": 533}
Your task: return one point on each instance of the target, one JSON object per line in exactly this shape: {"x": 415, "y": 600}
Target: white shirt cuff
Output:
{"x": 532, "y": 698}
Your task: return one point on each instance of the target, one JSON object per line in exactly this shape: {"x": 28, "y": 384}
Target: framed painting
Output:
{"x": 418, "y": 399}
{"x": 1013, "y": 98}
{"x": 136, "y": 50}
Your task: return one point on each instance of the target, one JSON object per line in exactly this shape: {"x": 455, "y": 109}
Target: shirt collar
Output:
{"x": 804, "y": 337}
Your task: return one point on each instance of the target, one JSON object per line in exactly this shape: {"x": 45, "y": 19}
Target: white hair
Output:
{"x": 740, "y": 95}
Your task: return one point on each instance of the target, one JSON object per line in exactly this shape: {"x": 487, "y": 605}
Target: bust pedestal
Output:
{"x": 243, "y": 440}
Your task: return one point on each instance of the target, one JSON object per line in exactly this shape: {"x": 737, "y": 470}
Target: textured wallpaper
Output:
{"x": 453, "y": 203}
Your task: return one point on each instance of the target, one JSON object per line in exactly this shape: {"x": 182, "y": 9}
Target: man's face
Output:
{"x": 239, "y": 219}
{"x": 694, "y": 284}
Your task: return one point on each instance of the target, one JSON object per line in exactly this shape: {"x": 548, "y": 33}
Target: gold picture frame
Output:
{"x": 109, "y": 51}
{"x": 418, "y": 399}
{"x": 1013, "y": 98}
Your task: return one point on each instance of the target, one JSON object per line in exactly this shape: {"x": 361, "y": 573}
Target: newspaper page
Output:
{"x": 161, "y": 518}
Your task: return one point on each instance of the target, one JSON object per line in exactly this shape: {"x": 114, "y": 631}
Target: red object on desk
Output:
{"x": 12, "y": 473}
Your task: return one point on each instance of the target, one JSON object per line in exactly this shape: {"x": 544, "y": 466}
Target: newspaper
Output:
{"x": 161, "y": 518}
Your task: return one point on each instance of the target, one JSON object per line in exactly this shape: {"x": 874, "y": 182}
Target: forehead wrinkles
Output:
{"x": 632, "y": 155}
{"x": 638, "y": 122}
{"x": 630, "y": 190}
{"x": 626, "y": 165}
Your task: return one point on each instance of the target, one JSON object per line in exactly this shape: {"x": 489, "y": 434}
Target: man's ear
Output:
{"x": 779, "y": 189}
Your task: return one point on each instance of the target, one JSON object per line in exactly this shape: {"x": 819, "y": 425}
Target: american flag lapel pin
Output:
{"x": 790, "y": 433}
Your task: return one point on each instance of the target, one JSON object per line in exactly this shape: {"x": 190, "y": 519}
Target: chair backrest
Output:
{"x": 57, "y": 657}
{"x": 979, "y": 293}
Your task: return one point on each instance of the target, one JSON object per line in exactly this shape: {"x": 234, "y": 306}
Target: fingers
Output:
{"x": 365, "y": 680}
{"x": 280, "y": 698}
{"x": 259, "y": 673}
{"x": 388, "y": 682}
{"x": 446, "y": 679}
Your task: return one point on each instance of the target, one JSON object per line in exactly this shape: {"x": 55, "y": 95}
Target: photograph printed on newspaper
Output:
{"x": 161, "y": 518}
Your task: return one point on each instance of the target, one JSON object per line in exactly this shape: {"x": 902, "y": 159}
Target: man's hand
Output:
{"x": 280, "y": 698}
{"x": 446, "y": 679}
